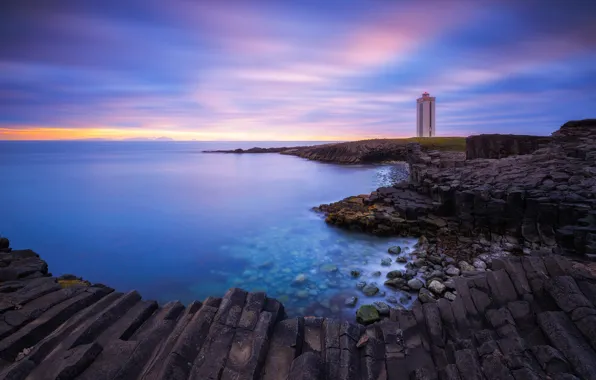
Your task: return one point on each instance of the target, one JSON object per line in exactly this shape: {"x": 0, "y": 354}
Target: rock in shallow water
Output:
{"x": 370, "y": 289}
{"x": 328, "y": 268}
{"x": 394, "y": 250}
{"x": 266, "y": 265}
{"x": 376, "y": 274}
{"x": 415, "y": 283}
{"x": 360, "y": 285}
{"x": 355, "y": 273}
{"x": 386, "y": 262}
{"x": 300, "y": 279}
{"x": 395, "y": 274}
{"x": 381, "y": 307}
{"x": 391, "y": 299}
{"x": 395, "y": 282}
{"x": 351, "y": 301}
{"x": 367, "y": 314}
{"x": 401, "y": 259}
{"x": 302, "y": 294}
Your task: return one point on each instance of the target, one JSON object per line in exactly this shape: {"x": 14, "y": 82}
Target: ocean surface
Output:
{"x": 174, "y": 223}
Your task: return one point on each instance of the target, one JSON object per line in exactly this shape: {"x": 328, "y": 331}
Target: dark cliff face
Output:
{"x": 546, "y": 198}
{"x": 500, "y": 146}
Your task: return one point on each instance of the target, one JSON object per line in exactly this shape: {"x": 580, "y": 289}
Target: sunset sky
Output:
{"x": 285, "y": 70}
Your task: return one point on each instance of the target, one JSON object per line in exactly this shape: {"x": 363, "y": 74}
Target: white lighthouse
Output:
{"x": 425, "y": 116}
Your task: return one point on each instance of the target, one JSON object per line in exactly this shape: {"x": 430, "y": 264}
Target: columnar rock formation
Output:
{"x": 500, "y": 146}
{"x": 528, "y": 318}
{"x": 546, "y": 199}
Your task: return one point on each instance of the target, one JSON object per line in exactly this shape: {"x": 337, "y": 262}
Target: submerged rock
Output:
{"x": 351, "y": 301}
{"x": 395, "y": 250}
{"x": 405, "y": 298}
{"x": 381, "y": 307}
{"x": 370, "y": 289}
{"x": 367, "y": 314}
{"x": 302, "y": 294}
{"x": 386, "y": 262}
{"x": 391, "y": 299}
{"x": 328, "y": 268}
{"x": 360, "y": 285}
{"x": 376, "y": 273}
{"x": 300, "y": 279}
{"x": 266, "y": 265}
{"x": 355, "y": 273}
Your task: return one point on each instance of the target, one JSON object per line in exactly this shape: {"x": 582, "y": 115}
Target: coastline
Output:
{"x": 528, "y": 317}
{"x": 359, "y": 152}
{"x": 520, "y": 309}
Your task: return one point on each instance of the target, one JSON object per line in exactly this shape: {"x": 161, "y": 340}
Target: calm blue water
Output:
{"x": 174, "y": 223}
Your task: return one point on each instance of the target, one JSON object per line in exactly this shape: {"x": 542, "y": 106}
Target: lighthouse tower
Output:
{"x": 425, "y": 116}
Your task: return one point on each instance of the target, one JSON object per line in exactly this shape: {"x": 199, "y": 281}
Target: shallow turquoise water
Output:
{"x": 173, "y": 223}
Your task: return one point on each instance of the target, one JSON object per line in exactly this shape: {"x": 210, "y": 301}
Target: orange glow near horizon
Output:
{"x": 48, "y": 134}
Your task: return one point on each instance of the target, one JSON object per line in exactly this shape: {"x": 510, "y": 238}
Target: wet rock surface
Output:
{"x": 542, "y": 200}
{"x": 496, "y": 298}
{"x": 528, "y": 317}
{"x": 500, "y": 146}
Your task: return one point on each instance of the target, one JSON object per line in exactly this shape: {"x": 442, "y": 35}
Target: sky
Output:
{"x": 292, "y": 70}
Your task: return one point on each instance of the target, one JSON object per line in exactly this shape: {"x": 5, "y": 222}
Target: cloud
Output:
{"x": 258, "y": 71}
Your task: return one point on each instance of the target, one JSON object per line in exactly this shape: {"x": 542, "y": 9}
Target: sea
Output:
{"x": 163, "y": 218}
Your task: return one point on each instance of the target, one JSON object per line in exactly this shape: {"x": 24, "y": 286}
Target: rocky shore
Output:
{"x": 542, "y": 200}
{"x": 503, "y": 272}
{"x": 359, "y": 152}
{"x": 529, "y": 317}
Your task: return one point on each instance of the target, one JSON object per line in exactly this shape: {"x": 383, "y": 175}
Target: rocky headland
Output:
{"x": 545, "y": 199}
{"x": 503, "y": 272}
{"x": 360, "y": 152}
